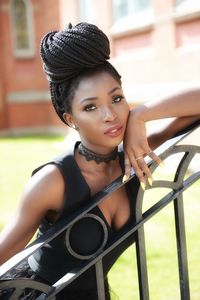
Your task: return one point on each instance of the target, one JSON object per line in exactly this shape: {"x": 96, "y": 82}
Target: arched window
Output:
{"x": 22, "y": 21}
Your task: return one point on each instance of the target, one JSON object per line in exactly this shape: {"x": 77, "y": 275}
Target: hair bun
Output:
{"x": 66, "y": 53}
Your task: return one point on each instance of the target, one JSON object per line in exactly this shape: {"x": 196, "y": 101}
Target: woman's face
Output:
{"x": 100, "y": 112}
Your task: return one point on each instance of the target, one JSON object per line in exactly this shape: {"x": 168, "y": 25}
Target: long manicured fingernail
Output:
{"x": 125, "y": 178}
{"x": 143, "y": 185}
{"x": 150, "y": 181}
{"x": 161, "y": 164}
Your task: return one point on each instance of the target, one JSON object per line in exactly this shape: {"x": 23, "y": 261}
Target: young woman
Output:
{"x": 87, "y": 95}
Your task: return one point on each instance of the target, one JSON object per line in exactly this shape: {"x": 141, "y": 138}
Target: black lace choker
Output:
{"x": 98, "y": 158}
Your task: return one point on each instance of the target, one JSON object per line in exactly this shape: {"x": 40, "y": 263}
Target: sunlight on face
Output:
{"x": 100, "y": 111}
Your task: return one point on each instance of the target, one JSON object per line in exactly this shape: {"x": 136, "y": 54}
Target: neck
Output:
{"x": 97, "y": 157}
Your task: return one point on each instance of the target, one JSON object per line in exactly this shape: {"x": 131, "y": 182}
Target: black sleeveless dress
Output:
{"x": 83, "y": 239}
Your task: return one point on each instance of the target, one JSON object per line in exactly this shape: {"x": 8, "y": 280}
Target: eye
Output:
{"x": 89, "y": 107}
{"x": 117, "y": 99}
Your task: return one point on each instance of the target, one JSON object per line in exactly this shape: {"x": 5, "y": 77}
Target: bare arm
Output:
{"x": 178, "y": 105}
{"x": 173, "y": 127}
{"x": 44, "y": 192}
{"x": 185, "y": 105}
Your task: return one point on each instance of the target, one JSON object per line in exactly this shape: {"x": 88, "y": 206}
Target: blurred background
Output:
{"x": 155, "y": 45}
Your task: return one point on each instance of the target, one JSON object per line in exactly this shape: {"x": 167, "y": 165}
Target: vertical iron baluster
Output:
{"x": 100, "y": 280}
{"x": 142, "y": 264}
{"x": 180, "y": 227}
{"x": 181, "y": 248}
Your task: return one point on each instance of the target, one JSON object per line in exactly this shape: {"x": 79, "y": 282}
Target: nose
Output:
{"x": 109, "y": 114}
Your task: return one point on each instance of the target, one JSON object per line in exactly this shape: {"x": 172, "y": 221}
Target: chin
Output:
{"x": 114, "y": 142}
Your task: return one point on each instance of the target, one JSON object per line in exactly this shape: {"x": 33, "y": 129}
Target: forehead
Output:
{"x": 92, "y": 85}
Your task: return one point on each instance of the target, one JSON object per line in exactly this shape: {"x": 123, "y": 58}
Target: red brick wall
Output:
{"x": 32, "y": 114}
{"x": 25, "y": 74}
{"x": 157, "y": 57}
{"x": 134, "y": 42}
{"x": 188, "y": 33}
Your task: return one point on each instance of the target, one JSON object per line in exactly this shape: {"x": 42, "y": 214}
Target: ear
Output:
{"x": 68, "y": 119}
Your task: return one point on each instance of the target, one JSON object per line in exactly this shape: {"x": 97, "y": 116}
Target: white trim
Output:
{"x": 187, "y": 10}
{"x": 28, "y": 96}
{"x": 139, "y": 22}
{"x": 29, "y": 52}
{"x": 183, "y": 16}
{"x": 36, "y": 130}
{"x": 193, "y": 48}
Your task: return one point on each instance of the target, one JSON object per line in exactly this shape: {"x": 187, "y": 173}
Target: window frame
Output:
{"x": 83, "y": 7}
{"x": 186, "y": 11}
{"x": 126, "y": 25}
{"x": 30, "y": 51}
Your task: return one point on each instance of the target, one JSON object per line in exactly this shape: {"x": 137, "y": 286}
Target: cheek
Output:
{"x": 124, "y": 111}
{"x": 85, "y": 122}
{"x": 89, "y": 130}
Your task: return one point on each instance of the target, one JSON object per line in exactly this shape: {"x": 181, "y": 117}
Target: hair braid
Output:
{"x": 68, "y": 53}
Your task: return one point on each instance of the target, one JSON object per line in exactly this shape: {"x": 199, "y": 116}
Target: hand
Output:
{"x": 136, "y": 147}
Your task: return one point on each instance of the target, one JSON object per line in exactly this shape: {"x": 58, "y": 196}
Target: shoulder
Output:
{"x": 64, "y": 162}
{"x": 45, "y": 188}
{"x": 50, "y": 181}
{"x": 47, "y": 175}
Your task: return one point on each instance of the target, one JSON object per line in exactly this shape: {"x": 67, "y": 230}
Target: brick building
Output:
{"x": 155, "y": 46}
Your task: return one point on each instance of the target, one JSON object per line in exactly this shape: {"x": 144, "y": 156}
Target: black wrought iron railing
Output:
{"x": 177, "y": 187}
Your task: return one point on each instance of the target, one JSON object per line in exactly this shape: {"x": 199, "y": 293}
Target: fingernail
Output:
{"x": 150, "y": 181}
{"x": 125, "y": 178}
{"x": 161, "y": 164}
{"x": 143, "y": 186}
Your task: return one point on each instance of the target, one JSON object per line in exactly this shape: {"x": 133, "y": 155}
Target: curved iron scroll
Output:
{"x": 177, "y": 186}
{"x": 18, "y": 286}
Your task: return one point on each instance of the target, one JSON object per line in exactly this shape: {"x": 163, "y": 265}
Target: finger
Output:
{"x": 155, "y": 158}
{"x": 139, "y": 173}
{"x": 127, "y": 167}
{"x": 146, "y": 171}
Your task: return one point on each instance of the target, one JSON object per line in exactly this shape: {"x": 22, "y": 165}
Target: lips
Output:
{"x": 114, "y": 131}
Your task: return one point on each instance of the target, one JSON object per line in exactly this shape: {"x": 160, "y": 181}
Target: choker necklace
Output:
{"x": 98, "y": 158}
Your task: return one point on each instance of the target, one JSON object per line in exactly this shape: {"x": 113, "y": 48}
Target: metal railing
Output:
{"x": 177, "y": 186}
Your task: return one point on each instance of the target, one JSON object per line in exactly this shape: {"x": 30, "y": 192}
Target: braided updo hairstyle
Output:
{"x": 70, "y": 54}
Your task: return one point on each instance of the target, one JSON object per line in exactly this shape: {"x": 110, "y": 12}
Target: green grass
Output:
{"x": 19, "y": 156}
{"x": 161, "y": 253}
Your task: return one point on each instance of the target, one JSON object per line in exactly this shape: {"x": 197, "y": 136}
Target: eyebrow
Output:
{"x": 95, "y": 98}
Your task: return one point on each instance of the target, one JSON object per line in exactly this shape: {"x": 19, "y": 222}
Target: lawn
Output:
{"x": 20, "y": 155}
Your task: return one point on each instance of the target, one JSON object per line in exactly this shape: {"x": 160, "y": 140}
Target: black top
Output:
{"x": 86, "y": 236}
